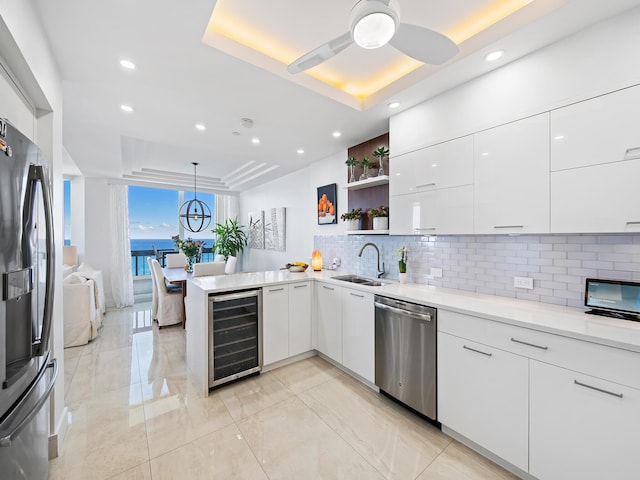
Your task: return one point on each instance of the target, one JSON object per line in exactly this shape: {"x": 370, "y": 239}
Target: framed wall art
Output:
{"x": 327, "y": 204}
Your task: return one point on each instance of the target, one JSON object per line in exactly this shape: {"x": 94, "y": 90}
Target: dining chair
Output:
{"x": 154, "y": 291}
{"x": 170, "y": 304}
{"x": 176, "y": 260}
{"x": 208, "y": 268}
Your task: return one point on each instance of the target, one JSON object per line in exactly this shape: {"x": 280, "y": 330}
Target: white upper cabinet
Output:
{"x": 596, "y": 199}
{"x": 447, "y": 164}
{"x": 441, "y": 211}
{"x": 600, "y": 130}
{"x": 511, "y": 181}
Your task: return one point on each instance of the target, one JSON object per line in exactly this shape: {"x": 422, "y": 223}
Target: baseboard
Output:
{"x": 289, "y": 361}
{"x": 57, "y": 438}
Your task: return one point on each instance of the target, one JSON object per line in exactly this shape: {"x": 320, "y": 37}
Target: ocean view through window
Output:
{"x": 153, "y": 220}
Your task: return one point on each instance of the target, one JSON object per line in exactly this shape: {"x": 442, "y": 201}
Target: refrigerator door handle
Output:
{"x": 7, "y": 438}
{"x": 37, "y": 173}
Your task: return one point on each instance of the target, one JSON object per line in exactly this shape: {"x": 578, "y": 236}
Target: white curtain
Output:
{"x": 227, "y": 206}
{"x": 121, "y": 276}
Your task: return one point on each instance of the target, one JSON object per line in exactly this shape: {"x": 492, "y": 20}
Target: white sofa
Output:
{"x": 84, "y": 304}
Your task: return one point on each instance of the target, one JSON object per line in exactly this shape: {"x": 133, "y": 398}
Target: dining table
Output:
{"x": 178, "y": 276}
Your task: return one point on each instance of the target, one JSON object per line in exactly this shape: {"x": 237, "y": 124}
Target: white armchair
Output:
{"x": 81, "y": 316}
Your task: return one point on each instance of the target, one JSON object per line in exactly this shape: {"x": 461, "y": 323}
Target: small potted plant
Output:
{"x": 352, "y": 163}
{"x": 352, "y": 219}
{"x": 380, "y": 217}
{"x": 402, "y": 264}
{"x": 381, "y": 152}
{"x": 366, "y": 164}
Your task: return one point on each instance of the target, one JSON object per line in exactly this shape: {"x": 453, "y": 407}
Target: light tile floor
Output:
{"x": 135, "y": 415}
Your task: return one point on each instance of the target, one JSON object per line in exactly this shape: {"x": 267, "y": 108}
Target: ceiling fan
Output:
{"x": 374, "y": 23}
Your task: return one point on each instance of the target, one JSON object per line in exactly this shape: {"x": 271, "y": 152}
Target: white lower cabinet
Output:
{"x": 329, "y": 320}
{"x": 483, "y": 395}
{"x": 275, "y": 324}
{"x": 286, "y": 321}
{"x": 358, "y": 333}
{"x": 582, "y": 426}
{"x": 299, "y": 318}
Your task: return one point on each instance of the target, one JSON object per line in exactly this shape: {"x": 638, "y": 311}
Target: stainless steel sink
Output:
{"x": 359, "y": 280}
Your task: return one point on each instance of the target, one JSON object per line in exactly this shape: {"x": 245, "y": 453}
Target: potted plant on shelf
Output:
{"x": 366, "y": 164}
{"x": 352, "y": 162}
{"x": 381, "y": 152}
{"x": 380, "y": 217}
{"x": 402, "y": 264}
{"x": 230, "y": 238}
{"x": 352, "y": 218}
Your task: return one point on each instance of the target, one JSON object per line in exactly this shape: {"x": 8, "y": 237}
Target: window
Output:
{"x": 67, "y": 212}
{"x": 153, "y": 220}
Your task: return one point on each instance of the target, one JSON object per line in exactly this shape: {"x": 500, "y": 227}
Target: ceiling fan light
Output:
{"x": 374, "y": 30}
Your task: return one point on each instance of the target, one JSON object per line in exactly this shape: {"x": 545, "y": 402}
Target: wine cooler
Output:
{"x": 235, "y": 335}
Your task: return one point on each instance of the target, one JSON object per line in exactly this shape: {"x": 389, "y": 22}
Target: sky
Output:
{"x": 153, "y": 212}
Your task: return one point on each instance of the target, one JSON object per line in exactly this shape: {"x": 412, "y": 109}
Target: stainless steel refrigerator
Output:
{"x": 27, "y": 373}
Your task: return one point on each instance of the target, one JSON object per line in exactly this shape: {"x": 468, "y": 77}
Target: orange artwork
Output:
{"x": 327, "y": 204}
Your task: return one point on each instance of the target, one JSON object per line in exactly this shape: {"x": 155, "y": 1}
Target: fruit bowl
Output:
{"x": 293, "y": 267}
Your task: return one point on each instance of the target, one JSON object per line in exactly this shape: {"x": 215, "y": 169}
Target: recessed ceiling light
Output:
{"x": 126, "y": 108}
{"x": 394, "y": 104}
{"x": 201, "y": 127}
{"x": 493, "y": 56}
{"x": 558, "y": 137}
{"x": 336, "y": 134}
{"x": 485, "y": 154}
{"x": 300, "y": 151}
{"x": 255, "y": 140}
{"x": 434, "y": 164}
{"x": 128, "y": 64}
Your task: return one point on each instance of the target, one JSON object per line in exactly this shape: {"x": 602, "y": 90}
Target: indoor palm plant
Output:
{"x": 352, "y": 162}
{"x": 230, "y": 238}
{"x": 381, "y": 152}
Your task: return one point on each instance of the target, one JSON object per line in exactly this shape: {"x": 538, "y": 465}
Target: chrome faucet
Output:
{"x": 380, "y": 272}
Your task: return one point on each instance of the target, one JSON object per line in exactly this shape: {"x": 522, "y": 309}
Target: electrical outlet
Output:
{"x": 436, "y": 272}
{"x": 523, "y": 282}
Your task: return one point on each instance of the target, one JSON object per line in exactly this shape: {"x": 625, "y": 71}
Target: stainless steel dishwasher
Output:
{"x": 406, "y": 353}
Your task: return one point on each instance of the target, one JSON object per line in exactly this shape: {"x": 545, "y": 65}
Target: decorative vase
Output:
{"x": 353, "y": 224}
{"x": 352, "y": 178}
{"x": 364, "y": 175}
{"x": 381, "y": 223}
{"x": 190, "y": 262}
{"x": 402, "y": 277}
{"x": 381, "y": 169}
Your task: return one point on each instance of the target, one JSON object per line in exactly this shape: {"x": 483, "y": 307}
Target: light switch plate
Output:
{"x": 523, "y": 282}
{"x": 436, "y": 272}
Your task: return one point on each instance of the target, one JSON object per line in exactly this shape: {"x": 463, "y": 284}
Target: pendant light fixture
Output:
{"x": 195, "y": 215}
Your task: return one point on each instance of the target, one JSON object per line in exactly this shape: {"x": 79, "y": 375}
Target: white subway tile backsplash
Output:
{"x": 559, "y": 264}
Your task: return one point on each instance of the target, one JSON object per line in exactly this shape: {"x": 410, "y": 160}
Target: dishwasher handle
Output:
{"x": 420, "y": 316}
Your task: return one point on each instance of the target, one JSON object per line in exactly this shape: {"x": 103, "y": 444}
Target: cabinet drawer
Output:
{"x": 601, "y": 361}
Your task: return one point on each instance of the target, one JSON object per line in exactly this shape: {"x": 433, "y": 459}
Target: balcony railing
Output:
{"x": 140, "y": 266}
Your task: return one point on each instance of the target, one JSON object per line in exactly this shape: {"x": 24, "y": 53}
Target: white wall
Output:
{"x": 43, "y": 79}
{"x": 297, "y": 193}
{"x": 592, "y": 62}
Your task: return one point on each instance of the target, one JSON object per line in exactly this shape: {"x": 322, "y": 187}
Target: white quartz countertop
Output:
{"x": 570, "y": 322}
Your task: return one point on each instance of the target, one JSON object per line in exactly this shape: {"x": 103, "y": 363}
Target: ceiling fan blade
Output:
{"x": 423, "y": 44}
{"x": 321, "y": 54}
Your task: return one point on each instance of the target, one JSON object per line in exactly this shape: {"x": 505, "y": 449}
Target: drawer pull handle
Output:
{"x": 300, "y": 286}
{"x": 477, "y": 351}
{"x": 425, "y": 229}
{"x": 425, "y": 185}
{"x": 508, "y": 226}
{"x": 276, "y": 289}
{"x": 356, "y": 295}
{"x": 328, "y": 288}
{"x": 619, "y": 395}
{"x": 633, "y": 223}
{"x": 529, "y": 344}
{"x": 630, "y": 155}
